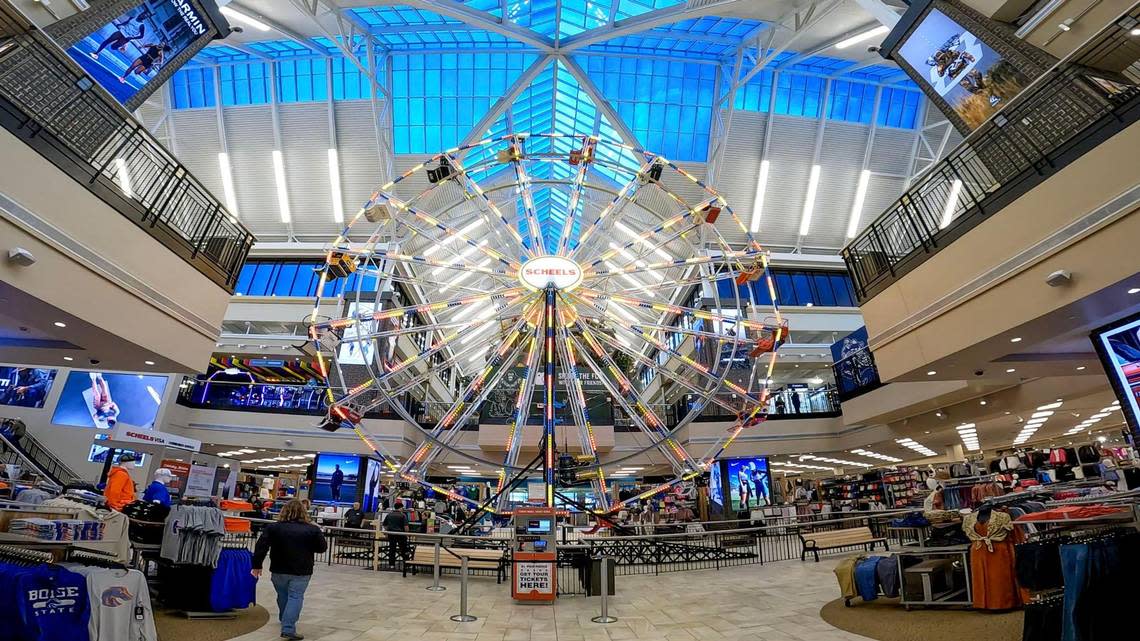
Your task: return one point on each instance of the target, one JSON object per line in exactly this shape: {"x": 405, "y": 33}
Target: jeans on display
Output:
{"x": 1075, "y": 567}
{"x": 1042, "y": 621}
{"x": 290, "y": 597}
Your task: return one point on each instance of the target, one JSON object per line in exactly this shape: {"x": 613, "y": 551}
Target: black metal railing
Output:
{"x": 24, "y": 449}
{"x": 1065, "y": 113}
{"x": 48, "y": 102}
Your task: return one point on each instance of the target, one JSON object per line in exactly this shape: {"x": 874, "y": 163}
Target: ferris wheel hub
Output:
{"x": 550, "y": 271}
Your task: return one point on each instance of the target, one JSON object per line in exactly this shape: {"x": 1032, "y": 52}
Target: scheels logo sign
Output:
{"x": 561, "y": 273}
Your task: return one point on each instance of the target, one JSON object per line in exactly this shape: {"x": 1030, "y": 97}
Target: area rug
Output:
{"x": 173, "y": 626}
{"x": 886, "y": 620}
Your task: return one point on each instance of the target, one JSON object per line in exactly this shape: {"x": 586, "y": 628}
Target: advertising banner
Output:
{"x": 132, "y": 434}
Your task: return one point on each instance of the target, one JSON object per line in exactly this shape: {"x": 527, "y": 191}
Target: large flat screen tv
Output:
{"x": 103, "y": 399}
{"x": 969, "y": 67}
{"x": 25, "y": 386}
{"x": 748, "y": 483}
{"x": 131, "y": 47}
{"x": 336, "y": 477}
{"x": 1118, "y": 345}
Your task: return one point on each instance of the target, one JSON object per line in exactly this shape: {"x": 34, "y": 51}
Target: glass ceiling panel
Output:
{"x": 400, "y": 16}
{"x": 630, "y": 8}
{"x": 540, "y": 16}
{"x": 582, "y": 15}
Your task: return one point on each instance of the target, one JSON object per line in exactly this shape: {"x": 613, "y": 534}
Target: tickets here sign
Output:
{"x": 534, "y": 579}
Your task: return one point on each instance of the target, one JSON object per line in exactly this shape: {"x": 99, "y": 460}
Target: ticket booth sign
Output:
{"x": 534, "y": 580}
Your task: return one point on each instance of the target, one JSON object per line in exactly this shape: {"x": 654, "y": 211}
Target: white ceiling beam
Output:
{"x": 280, "y": 28}
{"x": 478, "y": 19}
{"x": 802, "y": 20}
{"x": 600, "y": 101}
{"x": 348, "y": 30}
{"x": 820, "y": 48}
{"x": 479, "y": 129}
{"x": 884, "y": 13}
{"x": 645, "y": 22}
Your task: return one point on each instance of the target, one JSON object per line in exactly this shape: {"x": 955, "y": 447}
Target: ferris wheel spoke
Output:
{"x": 522, "y": 181}
{"x": 579, "y": 408}
{"x": 593, "y": 294}
{"x": 477, "y": 389}
{"x": 585, "y": 160}
{"x": 484, "y": 201}
{"x": 647, "y": 247}
{"x": 403, "y": 209}
{"x": 620, "y": 197}
{"x": 521, "y": 412}
{"x": 422, "y": 261}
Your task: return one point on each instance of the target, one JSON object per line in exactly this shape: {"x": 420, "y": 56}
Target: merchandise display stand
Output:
{"x": 935, "y": 577}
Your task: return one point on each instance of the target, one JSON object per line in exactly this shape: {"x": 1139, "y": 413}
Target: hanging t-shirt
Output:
{"x": 51, "y": 604}
{"x": 120, "y": 604}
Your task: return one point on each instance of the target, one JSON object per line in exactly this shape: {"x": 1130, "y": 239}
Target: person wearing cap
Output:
{"x": 156, "y": 492}
{"x": 120, "y": 489}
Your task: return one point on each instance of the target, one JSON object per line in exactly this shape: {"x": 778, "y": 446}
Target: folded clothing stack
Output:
{"x": 57, "y": 529}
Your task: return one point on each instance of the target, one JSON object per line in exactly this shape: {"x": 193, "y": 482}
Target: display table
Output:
{"x": 935, "y": 576}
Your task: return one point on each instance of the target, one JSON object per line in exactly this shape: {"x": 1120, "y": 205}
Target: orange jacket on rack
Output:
{"x": 120, "y": 488}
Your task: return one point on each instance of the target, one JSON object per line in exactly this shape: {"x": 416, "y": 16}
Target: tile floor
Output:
{"x": 775, "y": 602}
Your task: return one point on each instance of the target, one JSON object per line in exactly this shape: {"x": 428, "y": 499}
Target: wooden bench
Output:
{"x": 493, "y": 559}
{"x": 816, "y": 542}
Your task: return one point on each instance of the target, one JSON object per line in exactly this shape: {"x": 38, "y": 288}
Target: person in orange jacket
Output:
{"x": 120, "y": 488}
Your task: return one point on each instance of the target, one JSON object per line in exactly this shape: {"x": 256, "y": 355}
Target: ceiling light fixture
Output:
{"x": 1010, "y": 370}
{"x": 857, "y": 206}
{"x": 227, "y": 183}
{"x": 809, "y": 200}
{"x": 1050, "y": 406}
{"x": 68, "y": 358}
{"x": 931, "y": 373}
{"x": 758, "y": 200}
{"x": 1081, "y": 368}
{"x": 1134, "y": 290}
{"x": 912, "y": 444}
{"x": 282, "y": 190}
{"x": 880, "y": 30}
{"x": 951, "y": 204}
{"x": 334, "y": 185}
{"x": 149, "y": 362}
{"x": 230, "y": 12}
{"x": 59, "y": 324}
{"x": 1015, "y": 339}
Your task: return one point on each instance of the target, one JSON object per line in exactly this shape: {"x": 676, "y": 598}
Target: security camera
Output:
{"x": 979, "y": 372}
{"x": 873, "y": 49}
{"x": 1059, "y": 278}
{"x": 94, "y": 361}
{"x": 21, "y": 257}
{"x": 237, "y": 30}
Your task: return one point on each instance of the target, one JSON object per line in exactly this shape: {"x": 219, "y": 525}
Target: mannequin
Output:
{"x": 156, "y": 492}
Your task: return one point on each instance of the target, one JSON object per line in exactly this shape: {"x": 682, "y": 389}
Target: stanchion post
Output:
{"x": 463, "y": 617}
{"x": 435, "y": 586}
{"x": 605, "y": 616}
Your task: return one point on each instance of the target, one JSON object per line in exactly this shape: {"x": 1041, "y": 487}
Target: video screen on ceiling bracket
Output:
{"x": 1118, "y": 346}
{"x": 968, "y": 66}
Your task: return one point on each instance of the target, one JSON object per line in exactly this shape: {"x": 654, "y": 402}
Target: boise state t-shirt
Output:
{"x": 51, "y": 604}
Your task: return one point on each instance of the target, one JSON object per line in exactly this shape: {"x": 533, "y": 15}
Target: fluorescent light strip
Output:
{"x": 334, "y": 184}
{"x": 124, "y": 177}
{"x": 809, "y": 200}
{"x": 857, "y": 206}
{"x": 916, "y": 446}
{"x": 227, "y": 182}
{"x": 1050, "y": 406}
{"x": 951, "y": 204}
{"x": 462, "y": 256}
{"x": 876, "y": 455}
{"x": 464, "y": 276}
{"x": 880, "y": 30}
{"x": 282, "y": 191}
{"x": 241, "y": 17}
{"x": 758, "y": 200}
{"x": 644, "y": 241}
{"x": 482, "y": 328}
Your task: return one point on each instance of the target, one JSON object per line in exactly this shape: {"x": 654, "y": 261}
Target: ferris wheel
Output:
{"x": 538, "y": 263}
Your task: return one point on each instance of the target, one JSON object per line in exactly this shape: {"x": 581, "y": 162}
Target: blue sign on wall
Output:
{"x": 855, "y": 371}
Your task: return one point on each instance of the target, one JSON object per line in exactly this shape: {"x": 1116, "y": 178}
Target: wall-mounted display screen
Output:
{"x": 336, "y": 477}
{"x": 973, "y": 79}
{"x": 538, "y": 526}
{"x": 371, "y": 489}
{"x": 25, "y": 386}
{"x": 716, "y": 484}
{"x": 1118, "y": 345}
{"x": 100, "y": 399}
{"x": 126, "y": 54}
{"x": 749, "y": 484}
{"x": 98, "y": 453}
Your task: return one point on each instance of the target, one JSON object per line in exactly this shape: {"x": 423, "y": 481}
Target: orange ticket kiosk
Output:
{"x": 535, "y": 554}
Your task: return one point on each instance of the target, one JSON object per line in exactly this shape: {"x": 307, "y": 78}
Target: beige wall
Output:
{"x": 95, "y": 264}
{"x": 1096, "y": 15}
{"x": 906, "y": 337}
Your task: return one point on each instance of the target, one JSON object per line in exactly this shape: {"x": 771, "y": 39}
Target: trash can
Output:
{"x": 594, "y": 577}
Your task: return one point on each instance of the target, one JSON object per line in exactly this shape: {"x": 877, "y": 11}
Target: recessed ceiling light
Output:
{"x": 1015, "y": 339}
{"x": 1135, "y": 32}
{"x": 59, "y": 324}
{"x": 1081, "y": 368}
{"x": 68, "y": 358}
{"x": 1010, "y": 370}
{"x": 931, "y": 373}
{"x": 1134, "y": 290}
{"x": 149, "y": 362}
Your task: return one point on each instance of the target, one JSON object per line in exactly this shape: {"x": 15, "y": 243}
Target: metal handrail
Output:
{"x": 1050, "y": 124}
{"x": 52, "y": 105}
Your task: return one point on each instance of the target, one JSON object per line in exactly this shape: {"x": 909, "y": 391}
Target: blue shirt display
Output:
{"x": 156, "y": 492}
{"x": 48, "y": 603}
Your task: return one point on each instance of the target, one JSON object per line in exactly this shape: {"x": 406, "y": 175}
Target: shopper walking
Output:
{"x": 291, "y": 543}
{"x": 396, "y": 522}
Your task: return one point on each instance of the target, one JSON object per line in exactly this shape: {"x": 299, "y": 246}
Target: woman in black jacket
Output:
{"x": 291, "y": 543}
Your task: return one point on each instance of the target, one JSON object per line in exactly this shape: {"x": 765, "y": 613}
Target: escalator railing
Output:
{"x": 25, "y": 450}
